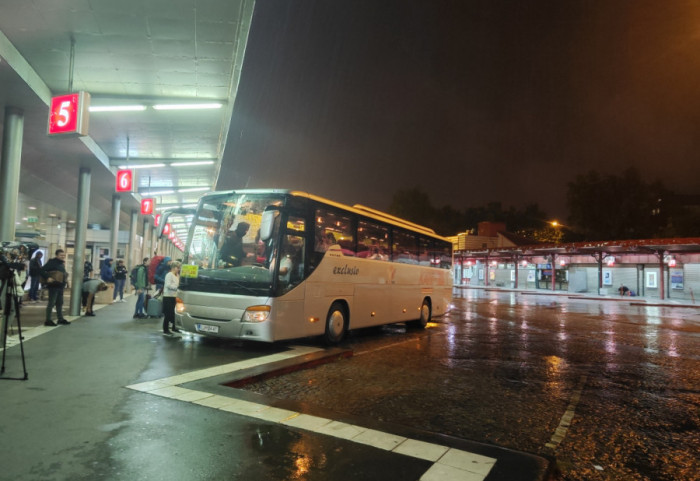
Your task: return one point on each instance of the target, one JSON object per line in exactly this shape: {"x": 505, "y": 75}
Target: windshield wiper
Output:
{"x": 251, "y": 290}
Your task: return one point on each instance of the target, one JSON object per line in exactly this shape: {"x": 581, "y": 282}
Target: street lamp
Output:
{"x": 557, "y": 226}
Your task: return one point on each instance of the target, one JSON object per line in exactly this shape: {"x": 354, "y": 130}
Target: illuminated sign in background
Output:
{"x": 68, "y": 114}
{"x": 147, "y": 206}
{"x": 125, "y": 181}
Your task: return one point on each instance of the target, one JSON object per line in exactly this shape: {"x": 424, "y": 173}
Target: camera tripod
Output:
{"x": 10, "y": 288}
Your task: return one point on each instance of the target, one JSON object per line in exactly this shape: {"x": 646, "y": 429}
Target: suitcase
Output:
{"x": 154, "y": 307}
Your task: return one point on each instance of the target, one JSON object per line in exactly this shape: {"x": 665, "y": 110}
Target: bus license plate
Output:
{"x": 207, "y": 328}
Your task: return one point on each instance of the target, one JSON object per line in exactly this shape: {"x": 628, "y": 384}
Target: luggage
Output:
{"x": 155, "y": 307}
{"x": 155, "y": 262}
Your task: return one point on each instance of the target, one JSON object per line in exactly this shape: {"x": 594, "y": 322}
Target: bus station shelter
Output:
{"x": 656, "y": 268}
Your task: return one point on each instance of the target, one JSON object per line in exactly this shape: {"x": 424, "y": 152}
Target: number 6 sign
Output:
{"x": 125, "y": 181}
{"x": 68, "y": 114}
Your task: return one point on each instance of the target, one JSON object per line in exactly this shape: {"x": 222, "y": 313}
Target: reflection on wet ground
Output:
{"x": 611, "y": 390}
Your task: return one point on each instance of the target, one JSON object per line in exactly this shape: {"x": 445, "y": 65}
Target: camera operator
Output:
{"x": 55, "y": 277}
{"x": 19, "y": 278}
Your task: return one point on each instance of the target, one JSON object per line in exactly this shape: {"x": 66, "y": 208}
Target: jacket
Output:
{"x": 106, "y": 273}
{"x": 50, "y": 269}
{"x": 141, "y": 277}
{"x": 120, "y": 272}
{"x": 171, "y": 283}
{"x": 35, "y": 267}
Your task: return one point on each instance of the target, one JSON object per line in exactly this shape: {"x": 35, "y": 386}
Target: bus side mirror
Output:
{"x": 268, "y": 223}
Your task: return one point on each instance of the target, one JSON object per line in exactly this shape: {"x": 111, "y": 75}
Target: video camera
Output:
{"x": 13, "y": 256}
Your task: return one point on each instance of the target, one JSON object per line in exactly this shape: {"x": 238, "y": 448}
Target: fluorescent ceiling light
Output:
{"x": 157, "y": 192}
{"x": 141, "y": 166}
{"x": 174, "y": 206}
{"x": 213, "y": 105}
{"x": 117, "y": 108}
{"x": 194, "y": 189}
{"x": 186, "y": 164}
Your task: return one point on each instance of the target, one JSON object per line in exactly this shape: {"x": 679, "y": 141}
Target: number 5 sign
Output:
{"x": 125, "y": 181}
{"x": 68, "y": 114}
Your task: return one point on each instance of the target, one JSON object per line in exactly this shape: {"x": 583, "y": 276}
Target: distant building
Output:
{"x": 490, "y": 235}
{"x": 657, "y": 268}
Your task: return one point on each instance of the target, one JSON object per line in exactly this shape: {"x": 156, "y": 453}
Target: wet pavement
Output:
{"x": 610, "y": 390}
{"x": 109, "y": 397}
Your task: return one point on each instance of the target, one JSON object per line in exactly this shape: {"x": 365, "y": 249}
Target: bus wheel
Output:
{"x": 336, "y": 324}
{"x": 425, "y": 315}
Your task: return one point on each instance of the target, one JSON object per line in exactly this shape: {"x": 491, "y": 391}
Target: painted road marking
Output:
{"x": 449, "y": 464}
{"x": 568, "y": 416}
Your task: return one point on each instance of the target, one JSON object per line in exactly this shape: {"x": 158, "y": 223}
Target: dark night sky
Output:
{"x": 472, "y": 101}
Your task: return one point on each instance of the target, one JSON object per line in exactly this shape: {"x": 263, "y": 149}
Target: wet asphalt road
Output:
{"x": 609, "y": 390}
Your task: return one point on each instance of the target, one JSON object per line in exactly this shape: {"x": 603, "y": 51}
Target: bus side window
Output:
{"x": 405, "y": 249}
{"x": 372, "y": 240}
{"x": 333, "y": 227}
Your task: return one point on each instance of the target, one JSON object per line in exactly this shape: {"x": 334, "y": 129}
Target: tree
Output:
{"x": 414, "y": 205}
{"x": 613, "y": 207}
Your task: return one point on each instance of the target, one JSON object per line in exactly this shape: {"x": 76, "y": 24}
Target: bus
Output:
{"x": 271, "y": 265}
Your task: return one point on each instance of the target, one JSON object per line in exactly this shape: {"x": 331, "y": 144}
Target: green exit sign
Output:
{"x": 32, "y": 220}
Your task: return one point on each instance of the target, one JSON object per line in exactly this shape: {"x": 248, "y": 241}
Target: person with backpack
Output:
{"x": 161, "y": 271}
{"x": 139, "y": 279}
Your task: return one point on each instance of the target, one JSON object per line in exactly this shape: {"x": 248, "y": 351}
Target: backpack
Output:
{"x": 133, "y": 275}
{"x": 162, "y": 271}
{"x": 155, "y": 262}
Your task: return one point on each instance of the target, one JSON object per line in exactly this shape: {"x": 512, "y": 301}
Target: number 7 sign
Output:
{"x": 147, "y": 206}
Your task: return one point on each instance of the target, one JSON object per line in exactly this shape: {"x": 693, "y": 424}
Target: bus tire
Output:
{"x": 336, "y": 324}
{"x": 426, "y": 312}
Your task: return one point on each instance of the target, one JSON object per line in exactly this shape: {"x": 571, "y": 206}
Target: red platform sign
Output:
{"x": 148, "y": 206}
{"x": 125, "y": 181}
{"x": 68, "y": 114}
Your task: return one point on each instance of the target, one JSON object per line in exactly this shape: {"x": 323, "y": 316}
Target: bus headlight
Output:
{"x": 179, "y": 306}
{"x": 256, "y": 314}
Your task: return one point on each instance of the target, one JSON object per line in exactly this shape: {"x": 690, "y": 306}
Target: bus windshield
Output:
{"x": 225, "y": 249}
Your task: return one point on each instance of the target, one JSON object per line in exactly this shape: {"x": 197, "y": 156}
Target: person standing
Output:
{"x": 35, "y": 274}
{"x": 55, "y": 277}
{"x": 140, "y": 283}
{"x": 172, "y": 282}
{"x": 106, "y": 273}
{"x": 120, "y": 273}
{"x": 87, "y": 269}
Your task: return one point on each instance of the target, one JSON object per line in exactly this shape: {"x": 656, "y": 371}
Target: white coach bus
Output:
{"x": 268, "y": 265}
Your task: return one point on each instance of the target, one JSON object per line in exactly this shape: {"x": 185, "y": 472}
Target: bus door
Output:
{"x": 290, "y": 288}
